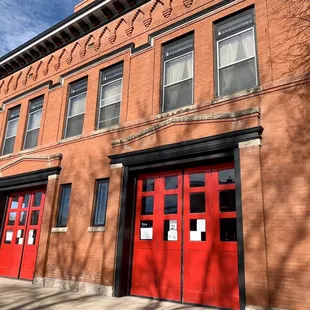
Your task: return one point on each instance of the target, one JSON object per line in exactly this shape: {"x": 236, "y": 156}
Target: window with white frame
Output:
{"x": 236, "y": 54}
{"x": 34, "y": 121}
{"x": 178, "y": 73}
{"x": 11, "y": 130}
{"x": 76, "y": 108}
{"x": 110, "y": 96}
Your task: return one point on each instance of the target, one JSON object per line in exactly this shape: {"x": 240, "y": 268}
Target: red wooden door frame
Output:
{"x": 12, "y": 254}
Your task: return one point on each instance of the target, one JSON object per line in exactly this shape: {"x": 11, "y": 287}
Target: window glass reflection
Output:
{"x": 147, "y": 205}
{"x": 227, "y": 176}
{"x": 171, "y": 204}
{"x": 148, "y": 185}
{"x": 197, "y": 179}
{"x": 14, "y": 203}
{"x": 197, "y": 203}
{"x": 227, "y": 201}
{"x": 171, "y": 182}
{"x": 228, "y": 229}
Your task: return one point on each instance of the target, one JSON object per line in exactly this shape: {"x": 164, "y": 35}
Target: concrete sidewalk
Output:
{"x": 17, "y": 294}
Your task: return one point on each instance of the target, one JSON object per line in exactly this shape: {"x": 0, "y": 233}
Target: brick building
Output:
{"x": 160, "y": 149}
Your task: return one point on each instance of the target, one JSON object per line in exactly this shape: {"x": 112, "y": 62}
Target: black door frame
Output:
{"x": 219, "y": 147}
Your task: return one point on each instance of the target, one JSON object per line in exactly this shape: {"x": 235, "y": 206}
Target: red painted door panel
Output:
{"x": 185, "y": 245}
{"x": 16, "y": 260}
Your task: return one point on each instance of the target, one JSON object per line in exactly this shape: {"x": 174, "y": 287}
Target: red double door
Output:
{"x": 20, "y": 234}
{"x": 185, "y": 241}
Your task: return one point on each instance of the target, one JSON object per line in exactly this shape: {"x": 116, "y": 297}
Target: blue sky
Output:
{"x": 21, "y": 20}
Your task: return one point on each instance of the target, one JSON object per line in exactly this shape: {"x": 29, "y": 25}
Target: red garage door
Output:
{"x": 20, "y": 234}
{"x": 185, "y": 243}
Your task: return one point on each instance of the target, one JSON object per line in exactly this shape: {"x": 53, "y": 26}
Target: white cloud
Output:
{"x": 22, "y": 20}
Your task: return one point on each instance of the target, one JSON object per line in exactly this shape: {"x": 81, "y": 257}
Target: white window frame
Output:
{"x": 114, "y": 102}
{"x": 27, "y": 130}
{"x": 6, "y": 132}
{"x": 187, "y": 79}
{"x": 236, "y": 62}
{"x": 68, "y": 109}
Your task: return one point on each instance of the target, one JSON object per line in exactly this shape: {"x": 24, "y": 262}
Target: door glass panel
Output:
{"x": 34, "y": 217}
{"x": 197, "y": 203}
{"x": 19, "y": 237}
{"x": 227, "y": 201}
{"x": 227, "y": 176}
{"x": 146, "y": 230}
{"x": 12, "y": 218}
{"x": 171, "y": 182}
{"x": 14, "y": 203}
{"x": 26, "y": 201}
{"x": 147, "y": 205}
{"x": 198, "y": 230}
{"x": 37, "y": 199}
{"x": 8, "y": 237}
{"x": 197, "y": 179}
{"x": 32, "y": 236}
{"x": 171, "y": 204}
{"x": 170, "y": 230}
{"x": 148, "y": 185}
{"x": 22, "y": 218}
{"x": 228, "y": 229}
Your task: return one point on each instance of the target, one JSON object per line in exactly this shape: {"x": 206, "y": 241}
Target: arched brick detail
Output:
{"x": 84, "y": 46}
{"x": 98, "y": 43}
{"x": 168, "y": 8}
{"x": 1, "y": 85}
{"x": 27, "y": 76}
{"x": 147, "y": 22}
{"x": 57, "y": 66}
{"x": 45, "y": 71}
{"x": 8, "y": 85}
{"x": 188, "y": 3}
{"x": 17, "y": 80}
{"x": 70, "y": 58}
{"x": 35, "y": 76}
{"x": 112, "y": 39}
{"x": 131, "y": 25}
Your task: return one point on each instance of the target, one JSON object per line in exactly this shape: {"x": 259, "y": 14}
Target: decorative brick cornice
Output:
{"x": 182, "y": 119}
{"x": 108, "y": 34}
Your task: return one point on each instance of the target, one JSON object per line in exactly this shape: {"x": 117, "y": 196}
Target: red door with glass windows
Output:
{"x": 185, "y": 242}
{"x": 20, "y": 237}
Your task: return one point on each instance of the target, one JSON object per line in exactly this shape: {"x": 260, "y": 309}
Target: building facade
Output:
{"x": 160, "y": 149}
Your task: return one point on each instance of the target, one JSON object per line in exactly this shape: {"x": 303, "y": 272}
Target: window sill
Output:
{"x": 96, "y": 229}
{"x": 237, "y": 95}
{"x": 59, "y": 229}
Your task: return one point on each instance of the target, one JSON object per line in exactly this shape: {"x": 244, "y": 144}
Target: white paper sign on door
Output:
{"x": 173, "y": 225}
{"x": 30, "y": 240}
{"x": 195, "y": 236}
{"x": 146, "y": 233}
{"x": 19, "y": 233}
{"x": 20, "y": 240}
{"x": 201, "y": 225}
{"x": 172, "y": 235}
{"x": 9, "y": 235}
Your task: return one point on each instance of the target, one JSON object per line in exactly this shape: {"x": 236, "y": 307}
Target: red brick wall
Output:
{"x": 275, "y": 188}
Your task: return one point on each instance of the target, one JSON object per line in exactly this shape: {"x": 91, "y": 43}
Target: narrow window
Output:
{"x": 65, "y": 193}
{"x": 178, "y": 58}
{"x": 236, "y": 54}
{"x": 11, "y": 130}
{"x": 76, "y": 108}
{"x": 102, "y": 188}
{"x": 110, "y": 96}
{"x": 34, "y": 120}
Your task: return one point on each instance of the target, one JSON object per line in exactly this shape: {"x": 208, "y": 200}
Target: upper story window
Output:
{"x": 236, "y": 54}
{"x": 76, "y": 108}
{"x": 11, "y": 130}
{"x": 34, "y": 120}
{"x": 64, "y": 203}
{"x": 102, "y": 188}
{"x": 111, "y": 81}
{"x": 178, "y": 58}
